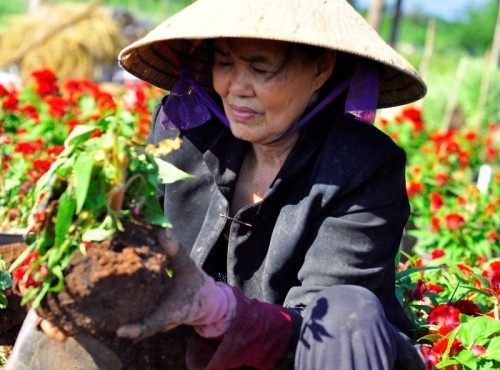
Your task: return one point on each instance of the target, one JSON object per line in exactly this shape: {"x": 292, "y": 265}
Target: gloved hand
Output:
{"x": 191, "y": 297}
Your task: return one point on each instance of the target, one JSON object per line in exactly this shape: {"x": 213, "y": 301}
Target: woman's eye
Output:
{"x": 223, "y": 63}
{"x": 260, "y": 70}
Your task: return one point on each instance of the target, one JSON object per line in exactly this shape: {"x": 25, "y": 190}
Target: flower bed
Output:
{"x": 448, "y": 280}
{"x": 449, "y": 284}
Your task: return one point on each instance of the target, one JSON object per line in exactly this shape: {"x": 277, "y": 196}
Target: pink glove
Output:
{"x": 191, "y": 297}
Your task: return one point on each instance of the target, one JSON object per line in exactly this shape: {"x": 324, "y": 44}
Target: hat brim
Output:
{"x": 332, "y": 24}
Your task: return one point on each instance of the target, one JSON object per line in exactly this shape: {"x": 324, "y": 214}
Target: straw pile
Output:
{"x": 75, "y": 40}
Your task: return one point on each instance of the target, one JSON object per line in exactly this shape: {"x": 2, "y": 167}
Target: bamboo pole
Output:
{"x": 375, "y": 12}
{"x": 453, "y": 98}
{"x": 396, "y": 20}
{"x": 483, "y": 91}
{"x": 495, "y": 48}
{"x": 429, "y": 48}
{"x": 491, "y": 61}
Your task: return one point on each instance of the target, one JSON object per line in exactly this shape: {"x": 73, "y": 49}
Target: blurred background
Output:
{"x": 454, "y": 44}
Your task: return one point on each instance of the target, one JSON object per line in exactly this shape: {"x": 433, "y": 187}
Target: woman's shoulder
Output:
{"x": 349, "y": 129}
{"x": 349, "y": 147}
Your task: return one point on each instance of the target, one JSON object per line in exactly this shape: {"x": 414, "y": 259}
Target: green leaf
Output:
{"x": 493, "y": 349}
{"x": 5, "y": 280}
{"x": 79, "y": 134}
{"x": 4, "y": 302}
{"x": 83, "y": 173}
{"x": 445, "y": 363}
{"x": 97, "y": 235}
{"x": 64, "y": 217}
{"x": 477, "y": 328}
{"x": 29, "y": 295}
{"x": 407, "y": 272}
{"x": 168, "y": 173}
{"x": 467, "y": 358}
{"x": 42, "y": 292}
{"x": 57, "y": 271}
{"x": 154, "y": 215}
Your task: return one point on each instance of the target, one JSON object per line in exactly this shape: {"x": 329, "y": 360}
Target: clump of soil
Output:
{"x": 117, "y": 282}
{"x": 11, "y": 317}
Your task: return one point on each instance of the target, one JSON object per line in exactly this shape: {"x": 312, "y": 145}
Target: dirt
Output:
{"x": 117, "y": 282}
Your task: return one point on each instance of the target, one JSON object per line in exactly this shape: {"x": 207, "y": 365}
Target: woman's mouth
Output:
{"x": 242, "y": 114}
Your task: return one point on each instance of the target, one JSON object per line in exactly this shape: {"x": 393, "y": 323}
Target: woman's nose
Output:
{"x": 240, "y": 83}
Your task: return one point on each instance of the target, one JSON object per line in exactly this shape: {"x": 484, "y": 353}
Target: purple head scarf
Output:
{"x": 189, "y": 106}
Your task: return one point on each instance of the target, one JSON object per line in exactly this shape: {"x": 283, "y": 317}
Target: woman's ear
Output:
{"x": 324, "y": 67}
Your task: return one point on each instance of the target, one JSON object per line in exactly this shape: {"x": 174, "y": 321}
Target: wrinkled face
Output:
{"x": 262, "y": 91}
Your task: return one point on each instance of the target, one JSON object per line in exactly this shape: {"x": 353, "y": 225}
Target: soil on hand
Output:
{"x": 117, "y": 282}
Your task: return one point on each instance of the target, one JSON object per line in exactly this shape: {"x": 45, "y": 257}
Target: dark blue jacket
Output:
{"x": 334, "y": 214}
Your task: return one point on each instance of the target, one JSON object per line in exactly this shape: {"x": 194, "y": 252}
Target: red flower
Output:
{"x": 11, "y": 103}
{"x": 431, "y": 358}
{"x": 437, "y": 253}
{"x": 471, "y": 136}
{"x": 467, "y": 307}
{"x": 441, "y": 345}
{"x": 445, "y": 317}
{"x": 57, "y": 106}
{"x": 492, "y": 236}
{"x": 436, "y": 201}
{"x": 417, "y": 293}
{"x": 493, "y": 275}
{"x": 27, "y": 148}
{"x": 434, "y": 288}
{"x": 454, "y": 221}
{"x": 96, "y": 133}
{"x": 441, "y": 179}
{"x": 414, "y": 188}
{"x": 105, "y": 102}
{"x": 435, "y": 221}
{"x": 478, "y": 350}
{"x": 491, "y": 153}
{"x": 3, "y": 91}
{"x": 55, "y": 150}
{"x": 46, "y": 82}
{"x": 414, "y": 115}
{"x": 72, "y": 123}
{"x": 30, "y": 111}
{"x": 42, "y": 165}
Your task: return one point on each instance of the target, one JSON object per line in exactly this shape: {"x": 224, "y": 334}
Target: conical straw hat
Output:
{"x": 332, "y": 24}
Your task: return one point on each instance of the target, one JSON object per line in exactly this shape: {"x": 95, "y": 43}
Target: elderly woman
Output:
{"x": 284, "y": 242}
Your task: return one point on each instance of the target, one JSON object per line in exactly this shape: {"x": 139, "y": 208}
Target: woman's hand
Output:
{"x": 51, "y": 330}
{"x": 191, "y": 297}
{"x": 47, "y": 327}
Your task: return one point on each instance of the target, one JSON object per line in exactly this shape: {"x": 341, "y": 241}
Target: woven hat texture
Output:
{"x": 333, "y": 24}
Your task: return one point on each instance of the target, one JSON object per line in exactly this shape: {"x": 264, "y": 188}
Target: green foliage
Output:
{"x": 476, "y": 34}
{"x": 5, "y": 283}
{"x": 101, "y": 178}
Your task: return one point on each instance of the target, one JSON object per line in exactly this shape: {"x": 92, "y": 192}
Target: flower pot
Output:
{"x": 11, "y": 237}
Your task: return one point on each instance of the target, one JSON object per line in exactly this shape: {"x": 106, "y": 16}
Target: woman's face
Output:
{"x": 263, "y": 93}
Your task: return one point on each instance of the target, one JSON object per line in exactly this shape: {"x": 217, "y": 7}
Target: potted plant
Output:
{"x": 92, "y": 261}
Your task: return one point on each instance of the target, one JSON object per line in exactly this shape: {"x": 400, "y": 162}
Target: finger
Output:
{"x": 52, "y": 331}
{"x": 170, "y": 247}
{"x": 22, "y": 288}
{"x": 179, "y": 257}
{"x": 132, "y": 331}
